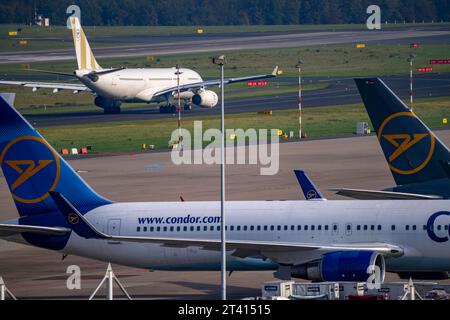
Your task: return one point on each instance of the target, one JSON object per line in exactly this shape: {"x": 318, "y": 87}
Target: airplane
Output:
{"x": 418, "y": 160}
{"x": 114, "y": 86}
{"x": 344, "y": 240}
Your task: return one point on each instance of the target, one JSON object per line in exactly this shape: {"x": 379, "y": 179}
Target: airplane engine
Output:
{"x": 342, "y": 266}
{"x": 205, "y": 99}
{"x": 109, "y": 105}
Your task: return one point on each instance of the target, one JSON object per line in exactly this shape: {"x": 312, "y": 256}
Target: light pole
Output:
{"x": 221, "y": 61}
{"x": 411, "y": 60}
{"x": 299, "y": 68}
{"x": 180, "y": 136}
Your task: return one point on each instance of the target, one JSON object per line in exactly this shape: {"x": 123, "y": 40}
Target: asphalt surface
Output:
{"x": 33, "y": 273}
{"x": 340, "y": 91}
{"x": 179, "y": 45}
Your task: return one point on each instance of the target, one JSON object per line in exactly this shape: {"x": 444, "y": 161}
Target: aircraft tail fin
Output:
{"x": 32, "y": 168}
{"x": 414, "y": 154}
{"x": 85, "y": 56}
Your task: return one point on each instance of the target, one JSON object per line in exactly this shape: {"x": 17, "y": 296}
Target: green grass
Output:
{"x": 318, "y": 122}
{"x": 104, "y": 31}
{"x": 324, "y": 60}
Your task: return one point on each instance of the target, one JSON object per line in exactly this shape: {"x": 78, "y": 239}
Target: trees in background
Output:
{"x": 223, "y": 12}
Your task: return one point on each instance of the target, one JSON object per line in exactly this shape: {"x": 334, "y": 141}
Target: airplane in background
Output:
{"x": 114, "y": 86}
{"x": 417, "y": 159}
{"x": 343, "y": 240}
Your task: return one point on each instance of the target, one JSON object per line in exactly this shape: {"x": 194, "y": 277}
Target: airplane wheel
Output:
{"x": 187, "y": 107}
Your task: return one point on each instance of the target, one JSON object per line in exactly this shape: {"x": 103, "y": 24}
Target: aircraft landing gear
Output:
{"x": 187, "y": 107}
{"x": 168, "y": 109}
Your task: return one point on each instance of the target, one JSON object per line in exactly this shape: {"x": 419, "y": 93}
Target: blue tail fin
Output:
{"x": 309, "y": 189}
{"x": 32, "y": 168}
{"x": 414, "y": 154}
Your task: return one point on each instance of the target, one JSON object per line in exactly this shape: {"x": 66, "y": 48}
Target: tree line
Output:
{"x": 223, "y": 12}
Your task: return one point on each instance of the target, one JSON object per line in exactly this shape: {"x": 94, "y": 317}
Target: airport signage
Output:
{"x": 425, "y": 69}
{"x": 440, "y": 61}
{"x": 257, "y": 83}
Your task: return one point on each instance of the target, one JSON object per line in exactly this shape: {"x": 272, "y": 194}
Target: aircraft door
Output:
{"x": 114, "y": 228}
{"x": 348, "y": 229}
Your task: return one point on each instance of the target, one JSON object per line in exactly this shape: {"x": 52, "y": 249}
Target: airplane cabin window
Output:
{"x": 439, "y": 227}
{"x": 205, "y": 228}
{"x": 424, "y": 227}
{"x": 414, "y": 227}
{"x": 165, "y": 229}
{"x": 313, "y": 227}
{"x": 145, "y": 229}
{"x": 198, "y": 228}
{"x": 319, "y": 227}
{"x": 379, "y": 227}
{"x": 138, "y": 229}
{"x": 178, "y": 229}
{"x": 171, "y": 229}
{"x": 335, "y": 227}
{"x": 349, "y": 227}
{"x": 252, "y": 228}
{"x": 231, "y": 228}
{"x": 299, "y": 227}
{"x": 272, "y": 228}
{"x": 372, "y": 227}
{"x": 446, "y": 227}
{"x": 265, "y": 228}
{"x": 305, "y": 228}
{"x": 185, "y": 228}
{"x": 278, "y": 228}
{"x": 158, "y": 229}
{"x": 393, "y": 227}
{"x": 245, "y": 228}
{"x": 365, "y": 227}
{"x": 258, "y": 228}
{"x": 326, "y": 227}
{"x": 407, "y": 227}
{"x": 212, "y": 228}
{"x": 218, "y": 228}
{"x": 238, "y": 228}
{"x": 358, "y": 227}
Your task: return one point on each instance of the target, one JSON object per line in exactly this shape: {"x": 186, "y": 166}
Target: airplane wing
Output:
{"x": 382, "y": 195}
{"x": 203, "y": 84}
{"x": 85, "y": 229}
{"x": 48, "y": 85}
{"x": 11, "y": 229}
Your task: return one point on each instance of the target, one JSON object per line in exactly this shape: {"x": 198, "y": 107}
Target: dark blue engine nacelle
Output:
{"x": 342, "y": 266}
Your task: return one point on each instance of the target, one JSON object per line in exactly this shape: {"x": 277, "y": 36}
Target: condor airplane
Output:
{"x": 317, "y": 240}
{"x": 112, "y": 87}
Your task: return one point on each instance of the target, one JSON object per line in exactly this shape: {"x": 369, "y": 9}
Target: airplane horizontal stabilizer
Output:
{"x": 382, "y": 195}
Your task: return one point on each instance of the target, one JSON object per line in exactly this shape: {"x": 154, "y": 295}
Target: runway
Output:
{"x": 340, "y": 91}
{"x": 181, "y": 45}
{"x": 346, "y": 162}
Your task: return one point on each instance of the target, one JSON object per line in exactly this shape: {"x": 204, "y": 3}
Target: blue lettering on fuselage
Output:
{"x": 430, "y": 227}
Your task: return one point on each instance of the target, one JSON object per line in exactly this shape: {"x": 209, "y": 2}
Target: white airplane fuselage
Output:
{"x": 137, "y": 85}
{"x": 424, "y": 239}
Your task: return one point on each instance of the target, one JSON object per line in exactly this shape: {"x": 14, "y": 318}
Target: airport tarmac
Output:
{"x": 342, "y": 162}
{"x": 338, "y": 92}
{"x": 174, "y": 45}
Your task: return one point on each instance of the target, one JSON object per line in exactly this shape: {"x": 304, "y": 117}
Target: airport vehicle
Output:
{"x": 114, "y": 86}
{"x": 417, "y": 159}
{"x": 346, "y": 240}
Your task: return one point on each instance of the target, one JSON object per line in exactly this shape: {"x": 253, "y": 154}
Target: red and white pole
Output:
{"x": 300, "y": 101}
{"x": 300, "y": 98}
{"x": 411, "y": 85}
{"x": 180, "y": 135}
